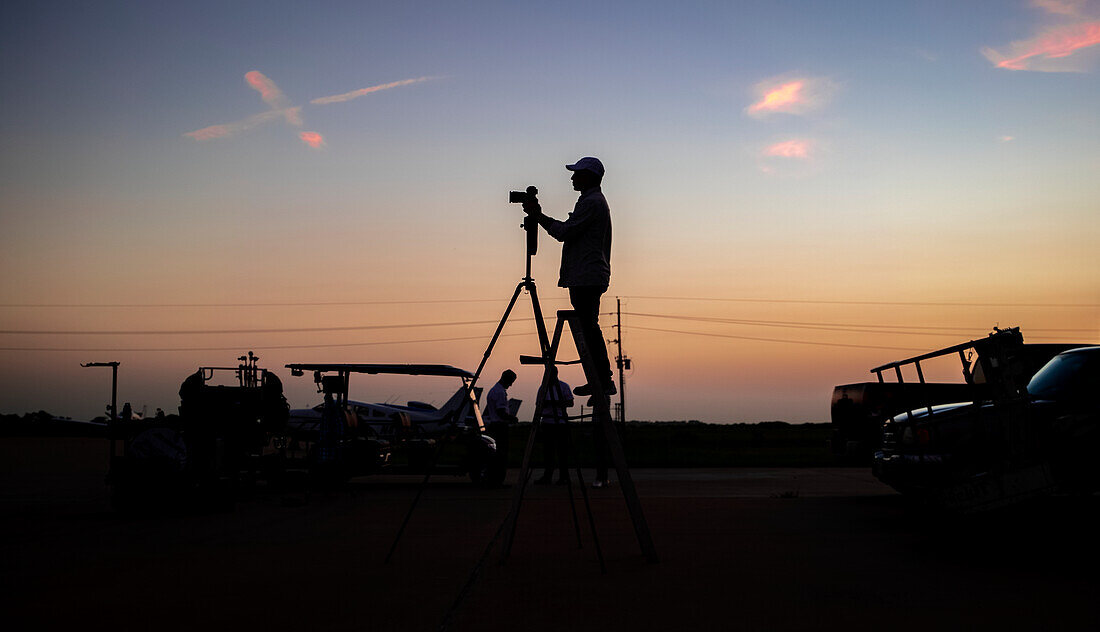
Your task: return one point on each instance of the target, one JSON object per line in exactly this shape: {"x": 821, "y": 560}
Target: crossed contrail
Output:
{"x": 281, "y": 109}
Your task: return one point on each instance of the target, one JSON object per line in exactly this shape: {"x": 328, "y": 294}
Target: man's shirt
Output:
{"x": 555, "y": 401}
{"x": 495, "y": 403}
{"x": 586, "y": 241}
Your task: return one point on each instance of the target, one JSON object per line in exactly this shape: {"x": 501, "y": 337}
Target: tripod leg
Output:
{"x": 416, "y": 499}
{"x": 591, "y": 520}
{"x": 566, "y": 459}
{"x": 496, "y": 334}
{"x": 540, "y": 324}
{"x": 517, "y": 496}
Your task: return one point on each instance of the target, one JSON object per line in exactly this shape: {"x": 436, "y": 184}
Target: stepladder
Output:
{"x": 600, "y": 403}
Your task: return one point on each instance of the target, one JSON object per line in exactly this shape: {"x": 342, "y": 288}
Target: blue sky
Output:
{"x": 914, "y": 168}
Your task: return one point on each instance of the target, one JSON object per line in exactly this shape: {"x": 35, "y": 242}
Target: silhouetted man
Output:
{"x": 585, "y": 259}
{"x": 556, "y": 399}
{"x": 497, "y": 415}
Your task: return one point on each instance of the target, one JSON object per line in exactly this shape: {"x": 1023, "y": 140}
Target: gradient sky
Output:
{"x": 821, "y": 169}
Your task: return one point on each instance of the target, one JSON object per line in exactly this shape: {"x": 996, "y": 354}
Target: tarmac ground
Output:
{"x": 740, "y": 549}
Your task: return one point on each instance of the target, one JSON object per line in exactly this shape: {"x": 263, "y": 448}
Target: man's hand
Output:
{"x": 532, "y": 208}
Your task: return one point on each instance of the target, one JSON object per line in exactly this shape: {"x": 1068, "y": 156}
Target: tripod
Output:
{"x": 601, "y": 414}
{"x": 601, "y": 418}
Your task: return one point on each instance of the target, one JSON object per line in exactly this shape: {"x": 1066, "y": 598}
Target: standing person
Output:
{"x": 585, "y": 259}
{"x": 498, "y": 417}
{"x": 556, "y": 400}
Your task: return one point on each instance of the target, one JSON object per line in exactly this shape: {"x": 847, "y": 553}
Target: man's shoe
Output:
{"x": 598, "y": 483}
{"x": 585, "y": 389}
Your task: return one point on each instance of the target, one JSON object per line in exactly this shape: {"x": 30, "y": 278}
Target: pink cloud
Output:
{"x": 355, "y": 94}
{"x": 799, "y": 149}
{"x": 230, "y": 129}
{"x": 273, "y": 96}
{"x": 207, "y": 133}
{"x": 1060, "y": 7}
{"x": 269, "y": 92}
{"x": 1055, "y": 43}
{"x": 790, "y": 95}
{"x": 277, "y": 101}
{"x": 779, "y": 99}
{"x": 313, "y": 139}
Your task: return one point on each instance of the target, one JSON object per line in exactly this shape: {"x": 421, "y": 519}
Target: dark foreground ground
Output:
{"x": 741, "y": 549}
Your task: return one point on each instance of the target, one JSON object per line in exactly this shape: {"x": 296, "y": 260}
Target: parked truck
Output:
{"x": 993, "y": 367}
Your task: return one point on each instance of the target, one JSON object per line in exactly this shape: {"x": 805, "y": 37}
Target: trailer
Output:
{"x": 341, "y": 438}
{"x": 224, "y": 435}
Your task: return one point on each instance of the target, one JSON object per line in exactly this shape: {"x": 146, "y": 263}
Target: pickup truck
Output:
{"x": 992, "y": 367}
{"x": 982, "y": 454}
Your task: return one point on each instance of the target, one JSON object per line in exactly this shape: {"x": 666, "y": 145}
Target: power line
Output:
{"x": 262, "y": 304}
{"x": 798, "y": 342}
{"x": 166, "y": 332}
{"x": 495, "y": 300}
{"x": 255, "y": 347}
{"x": 849, "y": 327}
{"x": 850, "y": 302}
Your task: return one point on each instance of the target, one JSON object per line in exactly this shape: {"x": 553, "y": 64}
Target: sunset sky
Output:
{"x": 800, "y": 191}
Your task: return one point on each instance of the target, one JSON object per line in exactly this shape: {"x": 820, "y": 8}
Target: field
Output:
{"x": 693, "y": 444}
{"x": 647, "y": 444}
{"x": 743, "y": 548}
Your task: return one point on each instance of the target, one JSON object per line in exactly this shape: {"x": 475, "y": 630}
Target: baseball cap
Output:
{"x": 588, "y": 163}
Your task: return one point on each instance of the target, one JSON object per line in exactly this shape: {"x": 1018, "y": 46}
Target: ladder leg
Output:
{"x": 601, "y": 411}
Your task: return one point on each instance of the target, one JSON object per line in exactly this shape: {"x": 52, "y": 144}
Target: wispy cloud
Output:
{"x": 1061, "y": 7}
{"x": 279, "y": 104}
{"x": 797, "y": 148}
{"x": 313, "y": 139}
{"x": 1067, "y": 42}
{"x": 273, "y": 96}
{"x": 355, "y": 94}
{"x": 269, "y": 92}
{"x": 780, "y": 98}
{"x": 1006, "y": 138}
{"x": 226, "y": 130}
{"x": 790, "y": 95}
{"x": 1049, "y": 51}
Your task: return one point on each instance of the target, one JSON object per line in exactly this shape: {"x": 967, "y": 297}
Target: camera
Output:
{"x": 520, "y": 197}
{"x": 531, "y": 222}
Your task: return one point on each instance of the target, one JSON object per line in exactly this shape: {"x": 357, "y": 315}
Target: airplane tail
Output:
{"x": 455, "y": 402}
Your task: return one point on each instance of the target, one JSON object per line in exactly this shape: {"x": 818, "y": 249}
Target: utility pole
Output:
{"x": 621, "y": 361}
{"x": 114, "y": 400}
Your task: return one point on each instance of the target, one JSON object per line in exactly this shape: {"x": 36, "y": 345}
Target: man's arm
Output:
{"x": 576, "y": 223}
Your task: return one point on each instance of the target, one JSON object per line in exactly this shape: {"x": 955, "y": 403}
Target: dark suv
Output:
{"x": 983, "y": 454}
